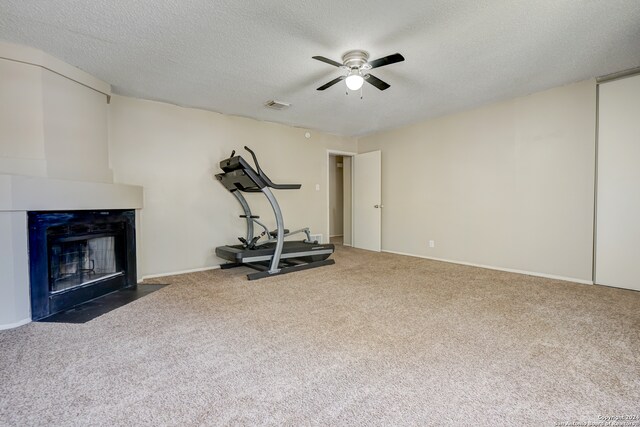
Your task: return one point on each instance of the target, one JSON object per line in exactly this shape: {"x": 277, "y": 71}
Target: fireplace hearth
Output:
{"x": 77, "y": 256}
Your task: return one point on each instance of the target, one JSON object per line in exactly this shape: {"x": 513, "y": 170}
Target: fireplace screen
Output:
{"x": 81, "y": 262}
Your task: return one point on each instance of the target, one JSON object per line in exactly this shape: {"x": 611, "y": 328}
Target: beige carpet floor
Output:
{"x": 377, "y": 339}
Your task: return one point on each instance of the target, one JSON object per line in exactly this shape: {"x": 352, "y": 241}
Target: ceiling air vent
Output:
{"x": 277, "y": 105}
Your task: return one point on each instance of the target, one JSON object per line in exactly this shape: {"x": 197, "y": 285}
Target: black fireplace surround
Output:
{"x": 76, "y": 256}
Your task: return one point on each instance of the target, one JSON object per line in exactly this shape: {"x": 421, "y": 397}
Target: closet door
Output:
{"x": 367, "y": 201}
{"x": 618, "y": 186}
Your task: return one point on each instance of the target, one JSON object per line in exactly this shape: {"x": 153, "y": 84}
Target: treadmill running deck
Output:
{"x": 291, "y": 249}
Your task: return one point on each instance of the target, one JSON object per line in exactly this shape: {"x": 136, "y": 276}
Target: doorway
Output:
{"x": 339, "y": 195}
{"x": 361, "y": 199}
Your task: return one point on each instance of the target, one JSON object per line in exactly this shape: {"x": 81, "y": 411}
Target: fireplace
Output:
{"x": 76, "y": 256}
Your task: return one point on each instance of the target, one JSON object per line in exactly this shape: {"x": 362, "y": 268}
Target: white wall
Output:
{"x": 21, "y": 119}
{"x": 15, "y": 306}
{"x": 173, "y": 152}
{"x": 336, "y": 195}
{"x": 75, "y": 130}
{"x": 50, "y": 125}
{"x": 618, "y": 227}
{"x": 508, "y": 185}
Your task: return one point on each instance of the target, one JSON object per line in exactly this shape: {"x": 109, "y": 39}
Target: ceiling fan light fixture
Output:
{"x": 354, "y": 81}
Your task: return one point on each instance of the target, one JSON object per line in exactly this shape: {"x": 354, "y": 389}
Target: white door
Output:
{"x": 367, "y": 201}
{"x": 618, "y": 210}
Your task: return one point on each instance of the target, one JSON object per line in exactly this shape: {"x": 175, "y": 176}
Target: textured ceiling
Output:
{"x": 231, "y": 56}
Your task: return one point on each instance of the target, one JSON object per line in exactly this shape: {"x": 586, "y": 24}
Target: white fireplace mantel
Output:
{"x": 27, "y": 193}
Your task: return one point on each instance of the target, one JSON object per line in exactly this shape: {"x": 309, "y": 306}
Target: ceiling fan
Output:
{"x": 357, "y": 63}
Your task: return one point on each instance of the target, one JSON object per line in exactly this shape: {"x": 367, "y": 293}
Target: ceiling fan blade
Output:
{"x": 331, "y": 83}
{"x": 327, "y": 60}
{"x": 369, "y": 78}
{"x": 387, "y": 60}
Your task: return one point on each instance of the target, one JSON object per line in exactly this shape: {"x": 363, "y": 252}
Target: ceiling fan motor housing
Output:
{"x": 356, "y": 59}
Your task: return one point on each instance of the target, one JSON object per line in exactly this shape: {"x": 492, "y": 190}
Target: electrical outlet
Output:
{"x": 432, "y": 243}
{"x": 317, "y": 187}
{"x": 316, "y": 238}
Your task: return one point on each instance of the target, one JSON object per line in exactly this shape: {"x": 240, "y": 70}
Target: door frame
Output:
{"x": 328, "y": 158}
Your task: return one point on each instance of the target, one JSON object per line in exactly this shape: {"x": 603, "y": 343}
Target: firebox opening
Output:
{"x": 80, "y": 261}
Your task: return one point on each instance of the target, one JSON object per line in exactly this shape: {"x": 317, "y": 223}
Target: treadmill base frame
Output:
{"x": 264, "y": 269}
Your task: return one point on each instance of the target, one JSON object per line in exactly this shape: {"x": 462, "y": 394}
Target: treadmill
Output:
{"x": 267, "y": 252}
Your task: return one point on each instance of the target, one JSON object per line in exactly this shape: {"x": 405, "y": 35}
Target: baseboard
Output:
{"x": 14, "y": 325}
{"x": 175, "y": 273}
{"x": 490, "y": 267}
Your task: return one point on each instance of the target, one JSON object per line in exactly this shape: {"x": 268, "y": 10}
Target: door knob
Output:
{"x": 378, "y": 206}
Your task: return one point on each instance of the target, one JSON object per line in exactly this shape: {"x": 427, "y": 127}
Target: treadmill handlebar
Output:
{"x": 266, "y": 179}
{"x": 255, "y": 159}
